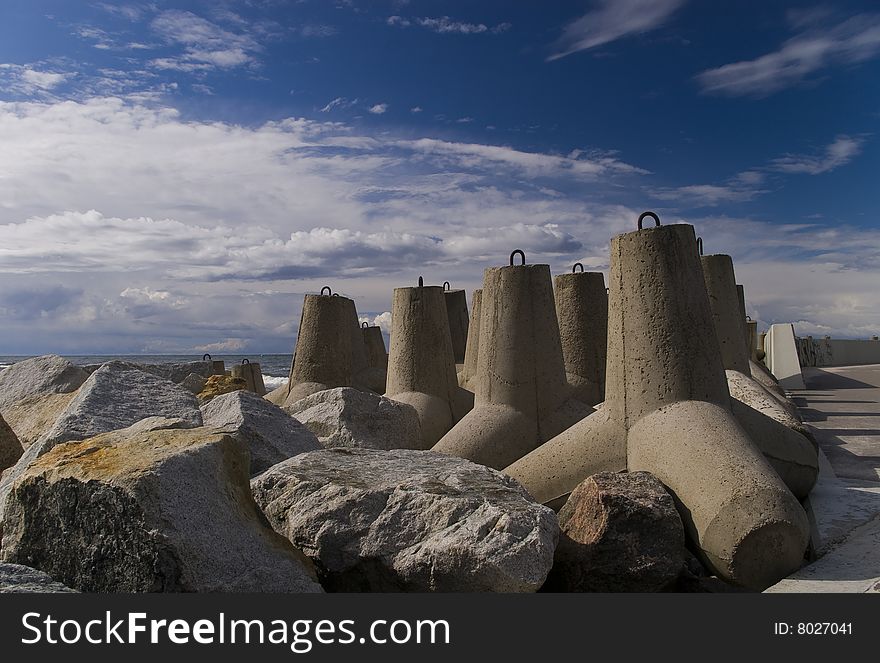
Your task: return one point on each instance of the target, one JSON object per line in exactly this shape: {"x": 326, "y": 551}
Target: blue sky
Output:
{"x": 175, "y": 175}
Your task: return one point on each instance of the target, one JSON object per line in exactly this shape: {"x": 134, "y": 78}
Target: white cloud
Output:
{"x": 205, "y": 44}
{"x": 612, "y": 20}
{"x": 130, "y": 12}
{"x": 28, "y": 81}
{"x": 338, "y": 102}
{"x": 416, "y": 109}
{"x": 446, "y": 25}
{"x": 843, "y": 150}
{"x": 378, "y": 109}
{"x": 854, "y": 40}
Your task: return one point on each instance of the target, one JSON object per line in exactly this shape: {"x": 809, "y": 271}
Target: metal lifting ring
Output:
{"x": 645, "y": 215}
{"x": 327, "y": 288}
{"x": 607, "y": 291}
{"x": 700, "y": 245}
{"x": 574, "y": 268}
{"x": 446, "y": 286}
{"x": 206, "y": 357}
{"x": 749, "y": 318}
{"x": 364, "y": 325}
{"x": 245, "y": 361}
{"x": 421, "y": 282}
{"x": 522, "y": 255}
{"x": 336, "y": 294}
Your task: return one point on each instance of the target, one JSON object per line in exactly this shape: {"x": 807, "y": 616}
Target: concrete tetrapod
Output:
{"x": 377, "y": 357}
{"x": 582, "y": 310}
{"x": 421, "y": 366}
{"x": 774, "y": 431}
{"x": 457, "y": 313}
{"x": 323, "y": 356}
{"x": 667, "y": 411}
{"x": 521, "y": 398}
{"x": 252, "y": 374}
{"x": 472, "y": 350}
{"x": 362, "y": 376}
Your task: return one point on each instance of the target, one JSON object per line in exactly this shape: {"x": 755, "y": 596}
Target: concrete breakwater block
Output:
{"x": 472, "y": 348}
{"x": 156, "y": 511}
{"x": 667, "y": 411}
{"x": 406, "y": 520}
{"x": 779, "y": 436}
{"x": 582, "y": 310}
{"x": 252, "y": 374}
{"x": 457, "y": 315}
{"x": 421, "y": 364}
{"x": 522, "y": 398}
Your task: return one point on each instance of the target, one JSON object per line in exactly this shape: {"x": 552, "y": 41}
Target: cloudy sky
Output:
{"x": 175, "y": 175}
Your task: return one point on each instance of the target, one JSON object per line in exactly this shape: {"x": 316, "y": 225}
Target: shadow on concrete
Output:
{"x": 846, "y": 464}
{"x": 812, "y": 414}
{"x": 819, "y": 379}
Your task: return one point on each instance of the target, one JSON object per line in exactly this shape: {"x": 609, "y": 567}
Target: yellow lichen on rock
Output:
{"x": 217, "y": 385}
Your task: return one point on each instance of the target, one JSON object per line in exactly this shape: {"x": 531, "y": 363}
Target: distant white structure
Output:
{"x": 782, "y": 356}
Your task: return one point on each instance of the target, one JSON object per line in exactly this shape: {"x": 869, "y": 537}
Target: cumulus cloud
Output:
{"x": 611, "y": 20}
{"x": 29, "y": 81}
{"x": 819, "y": 46}
{"x": 378, "y": 109}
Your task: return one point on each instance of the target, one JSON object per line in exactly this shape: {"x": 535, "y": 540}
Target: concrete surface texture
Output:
{"x": 457, "y": 314}
{"x": 323, "y": 355}
{"x": 776, "y": 432}
{"x": 843, "y": 406}
{"x": 582, "y": 310}
{"x": 725, "y": 305}
{"x": 522, "y": 398}
{"x": 421, "y": 365}
{"x": 841, "y": 352}
{"x": 472, "y": 350}
{"x": 252, "y": 374}
{"x": 667, "y": 411}
{"x": 377, "y": 356}
{"x": 782, "y": 357}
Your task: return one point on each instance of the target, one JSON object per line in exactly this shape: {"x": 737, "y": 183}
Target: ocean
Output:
{"x": 275, "y": 368}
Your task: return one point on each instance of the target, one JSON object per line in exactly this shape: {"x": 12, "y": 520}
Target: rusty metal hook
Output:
{"x": 700, "y": 245}
{"x": 206, "y": 357}
{"x": 421, "y": 282}
{"x": 327, "y": 288}
{"x": 364, "y": 325}
{"x": 446, "y": 286}
{"x": 245, "y": 361}
{"x": 575, "y": 266}
{"x": 522, "y": 255}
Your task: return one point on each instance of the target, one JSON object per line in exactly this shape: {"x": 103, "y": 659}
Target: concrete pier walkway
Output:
{"x": 842, "y": 404}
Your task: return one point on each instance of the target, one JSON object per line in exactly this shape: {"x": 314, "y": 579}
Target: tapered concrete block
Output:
{"x": 582, "y": 310}
{"x": 522, "y": 398}
{"x": 782, "y": 358}
{"x": 667, "y": 411}
{"x": 777, "y": 434}
{"x": 252, "y": 374}
{"x": 323, "y": 355}
{"x": 377, "y": 358}
{"x": 472, "y": 349}
{"x": 421, "y": 365}
{"x": 457, "y": 314}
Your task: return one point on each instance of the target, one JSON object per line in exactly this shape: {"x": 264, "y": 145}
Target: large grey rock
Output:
{"x": 176, "y": 372}
{"x": 49, "y": 374}
{"x": 620, "y": 533}
{"x": 406, "y": 520}
{"x": 161, "y": 511}
{"x": 194, "y": 383}
{"x": 10, "y": 447}
{"x": 115, "y": 396}
{"x": 18, "y": 579}
{"x": 347, "y": 417}
{"x": 270, "y": 433}
{"x": 33, "y": 416}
